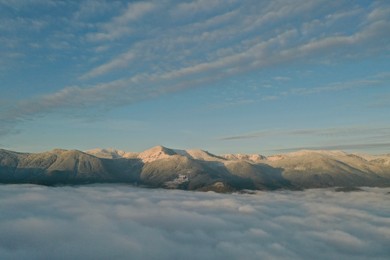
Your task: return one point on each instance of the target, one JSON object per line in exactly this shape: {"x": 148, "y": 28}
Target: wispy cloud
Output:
{"x": 357, "y": 138}
{"x": 119, "y": 62}
{"x": 92, "y": 8}
{"x": 170, "y": 53}
{"x": 119, "y": 26}
{"x": 282, "y": 78}
{"x": 366, "y": 82}
{"x": 251, "y": 52}
{"x": 359, "y": 146}
{"x": 328, "y": 132}
{"x": 230, "y": 103}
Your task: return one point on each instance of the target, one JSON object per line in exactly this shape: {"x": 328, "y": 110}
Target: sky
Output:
{"x": 122, "y": 222}
{"x": 232, "y": 76}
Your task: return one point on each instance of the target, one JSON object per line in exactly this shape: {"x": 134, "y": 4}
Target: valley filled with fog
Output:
{"x": 121, "y": 221}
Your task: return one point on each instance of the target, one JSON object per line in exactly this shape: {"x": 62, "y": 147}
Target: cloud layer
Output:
{"x": 118, "y": 221}
{"x": 141, "y": 50}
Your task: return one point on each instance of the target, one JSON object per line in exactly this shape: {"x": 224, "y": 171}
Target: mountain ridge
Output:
{"x": 196, "y": 169}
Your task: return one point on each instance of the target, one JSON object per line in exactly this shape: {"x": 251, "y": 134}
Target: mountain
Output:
{"x": 156, "y": 153}
{"x": 64, "y": 167}
{"x": 111, "y": 153}
{"x": 255, "y": 158}
{"x": 315, "y": 169}
{"x": 197, "y": 169}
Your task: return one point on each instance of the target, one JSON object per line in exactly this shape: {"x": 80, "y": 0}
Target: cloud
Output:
{"x": 119, "y": 62}
{"x": 169, "y": 53}
{"x": 119, "y": 26}
{"x": 281, "y": 78}
{"x": 326, "y": 132}
{"x": 339, "y": 86}
{"x": 20, "y": 4}
{"x": 253, "y": 51}
{"x": 359, "y": 146}
{"x": 92, "y": 8}
{"x": 229, "y": 103}
{"x": 119, "y": 221}
{"x": 99, "y": 96}
{"x": 200, "y": 6}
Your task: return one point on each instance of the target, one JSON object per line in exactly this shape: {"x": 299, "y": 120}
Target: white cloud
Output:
{"x": 119, "y": 221}
{"x": 327, "y": 132}
{"x": 379, "y": 12}
{"x": 119, "y": 26}
{"x": 116, "y": 63}
{"x": 200, "y": 6}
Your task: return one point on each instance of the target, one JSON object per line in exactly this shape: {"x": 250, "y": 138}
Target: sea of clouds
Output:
{"x": 120, "y": 221}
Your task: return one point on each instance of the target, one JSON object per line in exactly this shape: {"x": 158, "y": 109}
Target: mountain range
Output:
{"x": 162, "y": 167}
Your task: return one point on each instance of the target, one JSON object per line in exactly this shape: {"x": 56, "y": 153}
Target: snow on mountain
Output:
{"x": 306, "y": 153}
{"x": 203, "y": 155}
{"x": 156, "y": 153}
{"x": 111, "y": 153}
{"x": 246, "y": 157}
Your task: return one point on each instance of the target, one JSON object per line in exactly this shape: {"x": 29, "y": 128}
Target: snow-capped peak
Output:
{"x": 156, "y": 153}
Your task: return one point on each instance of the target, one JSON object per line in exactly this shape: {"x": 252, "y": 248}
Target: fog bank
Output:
{"x": 120, "y": 221}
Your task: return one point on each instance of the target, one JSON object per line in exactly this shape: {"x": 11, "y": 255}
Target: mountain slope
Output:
{"x": 312, "y": 169}
{"x": 62, "y": 167}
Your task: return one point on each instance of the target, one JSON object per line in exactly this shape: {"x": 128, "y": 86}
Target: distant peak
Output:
{"x": 111, "y": 153}
{"x": 203, "y": 155}
{"x": 309, "y": 154}
{"x": 323, "y": 152}
{"x": 245, "y": 157}
{"x": 160, "y": 148}
{"x": 156, "y": 153}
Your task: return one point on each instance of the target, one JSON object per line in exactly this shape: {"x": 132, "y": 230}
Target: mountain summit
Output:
{"x": 156, "y": 153}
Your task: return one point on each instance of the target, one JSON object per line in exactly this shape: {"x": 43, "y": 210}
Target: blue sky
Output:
{"x": 233, "y": 76}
